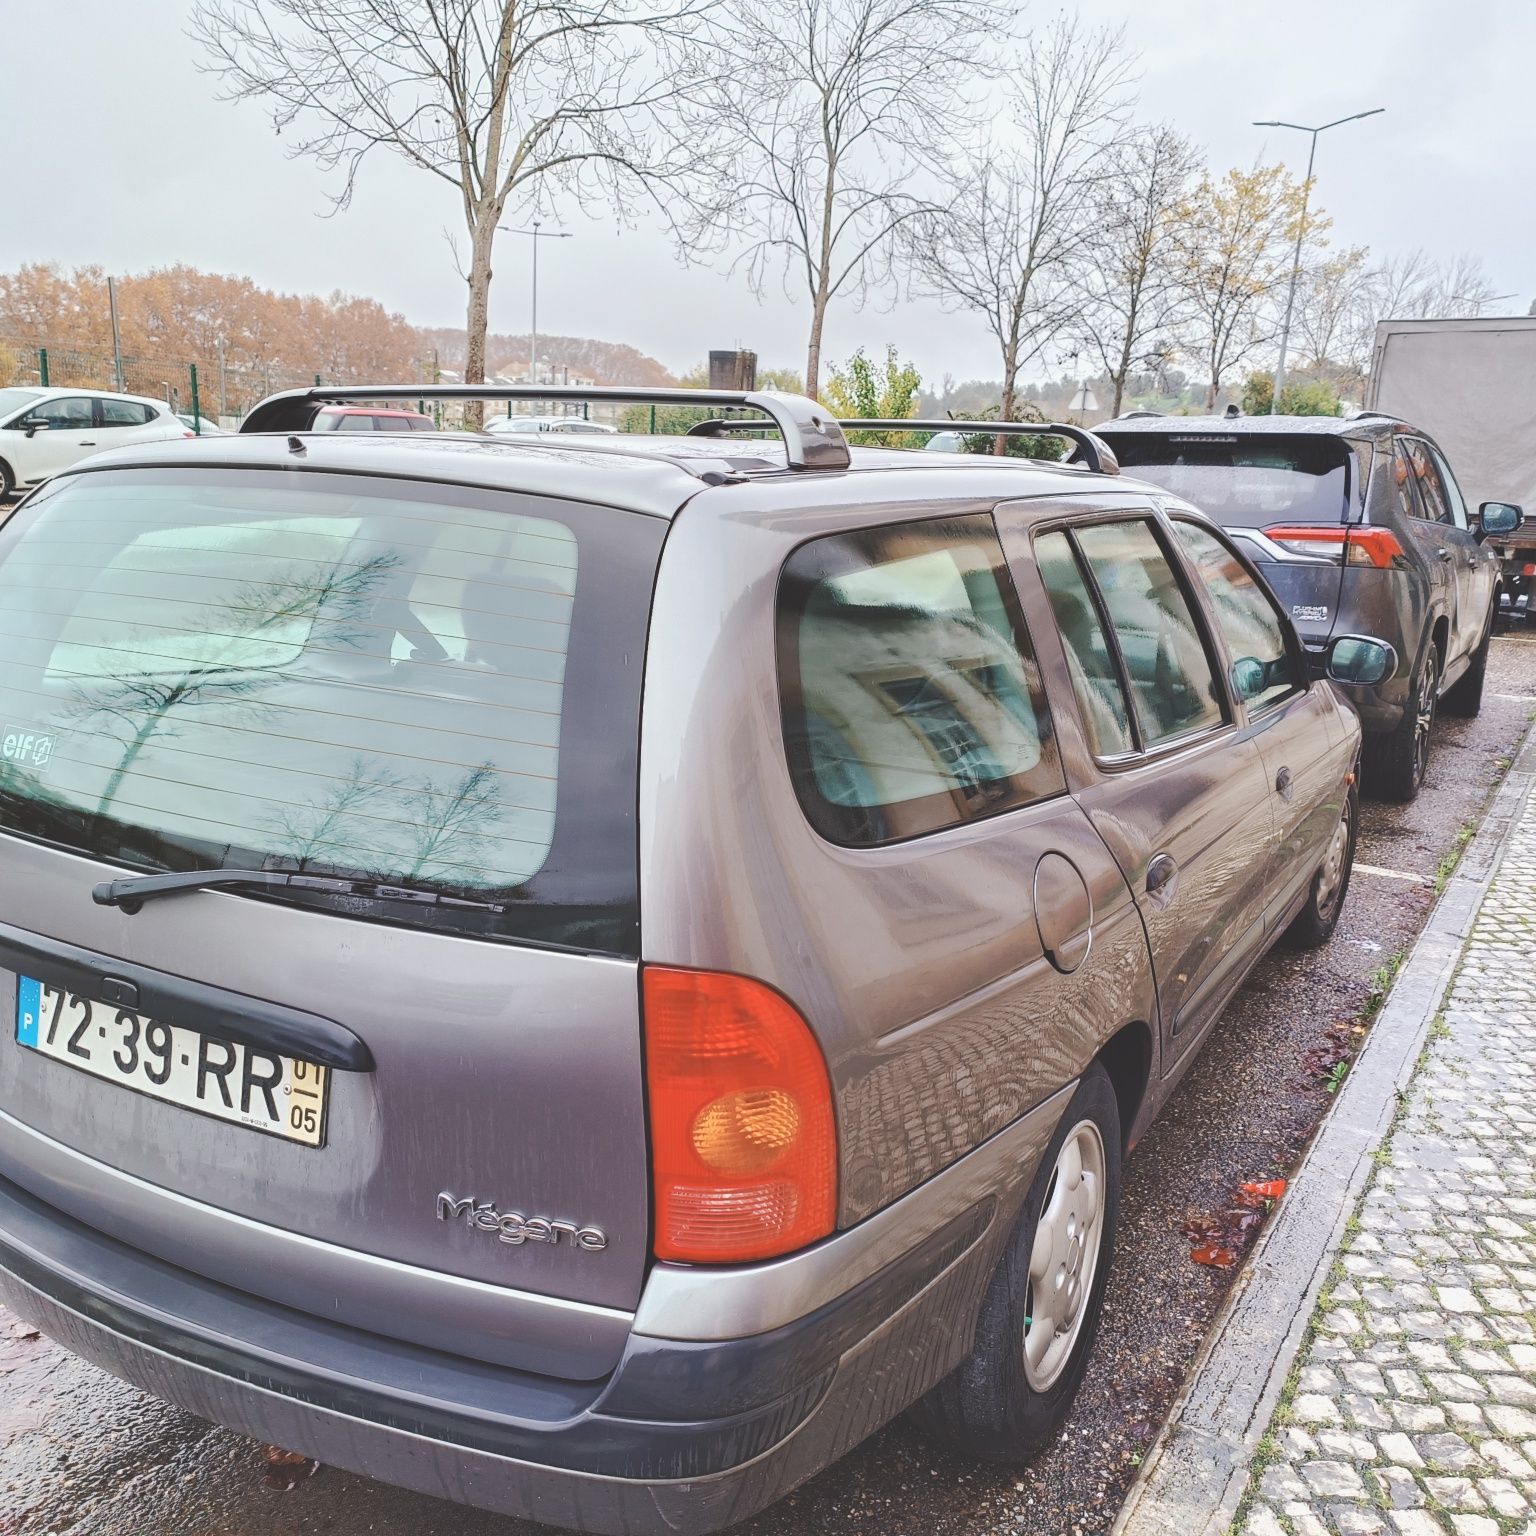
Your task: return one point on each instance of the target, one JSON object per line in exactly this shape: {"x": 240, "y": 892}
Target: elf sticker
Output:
{"x": 28, "y": 749}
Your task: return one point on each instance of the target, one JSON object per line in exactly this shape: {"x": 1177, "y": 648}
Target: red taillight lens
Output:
{"x": 189, "y": 434}
{"x": 743, "y": 1139}
{"x": 1349, "y": 546}
{"x": 1528, "y": 570}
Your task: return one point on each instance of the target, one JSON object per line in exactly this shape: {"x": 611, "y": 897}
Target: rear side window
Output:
{"x": 428, "y": 687}
{"x": 125, "y": 413}
{"x": 1243, "y": 480}
{"x": 1090, "y": 655}
{"x": 910, "y": 699}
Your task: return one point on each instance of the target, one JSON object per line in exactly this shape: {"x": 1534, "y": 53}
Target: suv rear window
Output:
{"x": 432, "y": 687}
{"x": 1243, "y": 480}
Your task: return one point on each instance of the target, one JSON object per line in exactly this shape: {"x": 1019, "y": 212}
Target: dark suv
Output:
{"x": 1359, "y": 526}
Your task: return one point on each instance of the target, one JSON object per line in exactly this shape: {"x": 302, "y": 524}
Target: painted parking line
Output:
{"x": 1517, "y": 698}
{"x": 1390, "y": 874}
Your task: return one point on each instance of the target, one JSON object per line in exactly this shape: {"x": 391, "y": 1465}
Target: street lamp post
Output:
{"x": 536, "y": 234}
{"x": 1301, "y": 230}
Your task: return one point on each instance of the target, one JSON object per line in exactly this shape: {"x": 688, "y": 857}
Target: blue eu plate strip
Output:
{"x": 29, "y": 1009}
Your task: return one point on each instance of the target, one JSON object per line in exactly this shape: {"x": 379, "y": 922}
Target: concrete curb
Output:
{"x": 1193, "y": 1479}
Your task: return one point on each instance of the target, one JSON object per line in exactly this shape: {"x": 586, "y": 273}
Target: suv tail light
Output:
{"x": 743, "y": 1139}
{"x": 1345, "y": 546}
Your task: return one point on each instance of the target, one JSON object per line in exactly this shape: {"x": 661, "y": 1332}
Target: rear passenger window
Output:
{"x": 1427, "y": 478}
{"x": 1090, "y": 658}
{"x": 910, "y": 699}
{"x": 1173, "y": 689}
{"x": 125, "y": 413}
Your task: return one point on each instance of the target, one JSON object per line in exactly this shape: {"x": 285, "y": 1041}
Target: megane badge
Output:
{"x": 513, "y": 1227}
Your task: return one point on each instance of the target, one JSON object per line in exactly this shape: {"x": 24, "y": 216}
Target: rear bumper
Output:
{"x": 683, "y": 1437}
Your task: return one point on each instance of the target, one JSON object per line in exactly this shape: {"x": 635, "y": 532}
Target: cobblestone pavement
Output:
{"x": 1413, "y": 1407}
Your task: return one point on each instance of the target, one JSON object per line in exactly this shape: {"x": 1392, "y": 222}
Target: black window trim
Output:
{"x": 1287, "y": 629}
{"x": 1028, "y": 654}
{"x": 1120, "y": 761}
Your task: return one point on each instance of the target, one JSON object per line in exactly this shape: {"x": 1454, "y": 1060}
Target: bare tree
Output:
{"x": 1235, "y": 238}
{"x": 832, "y": 108}
{"x": 1332, "y": 324}
{"x": 1132, "y": 297}
{"x": 1020, "y": 210}
{"x": 495, "y": 98}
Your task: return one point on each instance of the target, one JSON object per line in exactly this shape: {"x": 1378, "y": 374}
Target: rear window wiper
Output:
{"x": 130, "y": 894}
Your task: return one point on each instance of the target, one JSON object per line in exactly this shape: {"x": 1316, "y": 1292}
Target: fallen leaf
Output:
{"x": 287, "y": 1469}
{"x": 1214, "y": 1256}
{"x": 1265, "y": 1189}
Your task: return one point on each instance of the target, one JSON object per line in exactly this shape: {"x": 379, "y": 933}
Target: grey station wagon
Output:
{"x": 585, "y": 977}
{"x": 1357, "y": 523}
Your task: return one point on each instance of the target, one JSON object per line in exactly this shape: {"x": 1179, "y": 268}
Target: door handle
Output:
{"x": 1162, "y": 879}
{"x": 85, "y": 444}
{"x": 1283, "y": 785}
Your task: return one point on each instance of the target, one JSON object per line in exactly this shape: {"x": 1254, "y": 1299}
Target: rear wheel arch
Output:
{"x": 1127, "y": 1058}
{"x": 1440, "y": 636}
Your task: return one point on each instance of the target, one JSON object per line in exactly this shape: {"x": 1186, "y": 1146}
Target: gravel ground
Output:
{"x": 82, "y": 1455}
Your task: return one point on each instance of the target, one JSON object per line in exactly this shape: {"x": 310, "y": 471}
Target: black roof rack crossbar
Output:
{"x": 812, "y": 437}
{"x": 1096, "y": 454}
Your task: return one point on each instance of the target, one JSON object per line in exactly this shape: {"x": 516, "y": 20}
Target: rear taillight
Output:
{"x": 1528, "y": 570}
{"x": 1347, "y": 546}
{"x": 743, "y": 1139}
{"x": 189, "y": 434}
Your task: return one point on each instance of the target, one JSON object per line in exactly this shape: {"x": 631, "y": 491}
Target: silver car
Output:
{"x": 584, "y": 979}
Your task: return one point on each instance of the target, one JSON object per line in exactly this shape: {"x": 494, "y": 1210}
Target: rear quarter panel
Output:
{"x": 919, "y": 964}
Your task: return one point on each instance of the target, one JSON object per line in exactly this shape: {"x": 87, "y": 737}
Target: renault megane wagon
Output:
{"x": 584, "y": 977}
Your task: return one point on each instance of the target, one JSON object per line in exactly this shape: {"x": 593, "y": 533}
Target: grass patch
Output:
{"x": 1447, "y": 866}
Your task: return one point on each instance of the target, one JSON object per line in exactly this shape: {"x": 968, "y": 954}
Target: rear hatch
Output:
{"x": 426, "y": 701}
{"x": 1285, "y": 496}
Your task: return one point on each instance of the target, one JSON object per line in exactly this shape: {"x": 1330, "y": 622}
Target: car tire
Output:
{"x": 1008, "y": 1399}
{"x": 7, "y": 481}
{"x": 1397, "y": 760}
{"x": 1465, "y": 698}
{"x": 1314, "y": 924}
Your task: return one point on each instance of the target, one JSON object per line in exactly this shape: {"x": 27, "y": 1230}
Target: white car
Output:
{"x": 45, "y": 431}
{"x": 576, "y": 424}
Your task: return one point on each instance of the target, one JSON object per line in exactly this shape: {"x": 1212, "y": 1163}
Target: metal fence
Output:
{"x": 213, "y": 390}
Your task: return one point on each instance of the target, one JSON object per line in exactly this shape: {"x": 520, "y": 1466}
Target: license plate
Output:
{"x": 280, "y": 1095}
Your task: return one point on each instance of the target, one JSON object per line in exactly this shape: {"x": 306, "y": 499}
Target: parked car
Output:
{"x": 369, "y": 418}
{"x": 201, "y": 426}
{"x": 578, "y": 424}
{"x": 587, "y": 985}
{"x": 44, "y": 431}
{"x": 1358, "y": 525}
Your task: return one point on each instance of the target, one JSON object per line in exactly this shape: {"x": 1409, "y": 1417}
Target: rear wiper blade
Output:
{"x": 130, "y": 894}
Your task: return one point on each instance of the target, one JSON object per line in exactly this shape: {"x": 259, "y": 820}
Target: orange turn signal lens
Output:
{"x": 743, "y": 1136}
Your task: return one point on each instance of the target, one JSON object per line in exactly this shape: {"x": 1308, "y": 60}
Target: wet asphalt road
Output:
{"x": 83, "y": 1455}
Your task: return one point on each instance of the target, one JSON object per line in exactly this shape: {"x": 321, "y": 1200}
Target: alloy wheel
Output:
{"x": 1330, "y": 879}
{"x": 1065, "y": 1258}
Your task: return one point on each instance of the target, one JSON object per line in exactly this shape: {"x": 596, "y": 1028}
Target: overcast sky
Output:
{"x": 119, "y": 153}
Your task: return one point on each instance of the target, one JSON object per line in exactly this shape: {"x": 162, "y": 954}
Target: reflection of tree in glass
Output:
{"x": 325, "y": 606}
{"x": 322, "y": 831}
{"x": 449, "y": 825}
{"x": 438, "y": 828}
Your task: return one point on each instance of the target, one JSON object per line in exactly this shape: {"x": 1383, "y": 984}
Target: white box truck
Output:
{"x": 1471, "y": 384}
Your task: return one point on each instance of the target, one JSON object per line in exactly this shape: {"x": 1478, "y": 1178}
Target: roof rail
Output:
{"x": 1096, "y": 454}
{"x": 812, "y": 437}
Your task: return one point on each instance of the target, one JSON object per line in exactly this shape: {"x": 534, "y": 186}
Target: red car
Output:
{"x": 370, "y": 418}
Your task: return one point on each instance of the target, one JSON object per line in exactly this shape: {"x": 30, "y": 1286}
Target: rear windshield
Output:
{"x": 432, "y": 687}
{"x": 1243, "y": 481}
